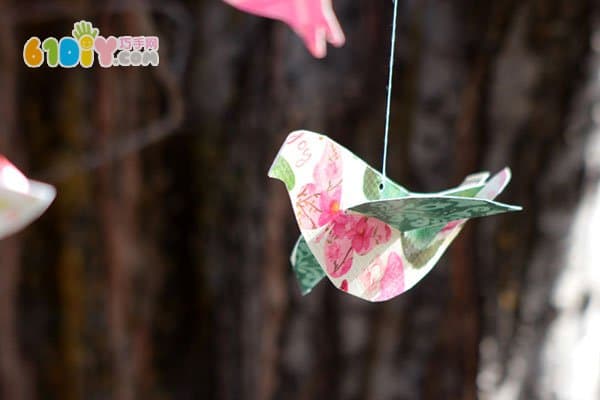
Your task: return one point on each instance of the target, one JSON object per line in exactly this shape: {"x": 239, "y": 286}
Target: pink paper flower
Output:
{"x": 392, "y": 282}
{"x": 338, "y": 257}
{"x": 329, "y": 205}
{"x": 381, "y": 231}
{"x": 343, "y": 225}
{"x": 370, "y": 278}
{"x": 318, "y": 204}
{"x": 362, "y": 235}
{"x": 382, "y": 281}
{"x": 328, "y": 170}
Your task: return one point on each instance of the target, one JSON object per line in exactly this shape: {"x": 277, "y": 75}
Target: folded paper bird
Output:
{"x": 370, "y": 236}
{"x": 313, "y": 20}
{"x": 21, "y": 200}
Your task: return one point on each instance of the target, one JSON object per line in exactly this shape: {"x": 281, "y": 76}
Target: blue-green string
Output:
{"x": 389, "y": 89}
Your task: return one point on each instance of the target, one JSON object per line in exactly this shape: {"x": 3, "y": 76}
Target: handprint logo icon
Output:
{"x": 85, "y": 34}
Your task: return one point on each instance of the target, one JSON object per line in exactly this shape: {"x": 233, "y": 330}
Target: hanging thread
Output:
{"x": 389, "y": 89}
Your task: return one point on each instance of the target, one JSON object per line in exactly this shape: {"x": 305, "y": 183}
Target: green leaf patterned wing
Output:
{"x": 467, "y": 191}
{"x": 419, "y": 245}
{"x": 307, "y": 269}
{"x": 416, "y": 212}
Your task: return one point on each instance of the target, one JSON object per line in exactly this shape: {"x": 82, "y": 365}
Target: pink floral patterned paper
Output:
{"x": 21, "y": 200}
{"x": 362, "y": 255}
{"x": 313, "y": 20}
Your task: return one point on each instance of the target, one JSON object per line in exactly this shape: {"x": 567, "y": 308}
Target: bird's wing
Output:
{"x": 419, "y": 245}
{"x": 424, "y": 211}
{"x": 423, "y": 247}
{"x": 472, "y": 199}
{"x": 307, "y": 269}
{"x": 418, "y": 240}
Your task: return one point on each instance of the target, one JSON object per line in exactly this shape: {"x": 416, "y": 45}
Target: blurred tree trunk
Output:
{"x": 161, "y": 272}
{"x": 15, "y": 379}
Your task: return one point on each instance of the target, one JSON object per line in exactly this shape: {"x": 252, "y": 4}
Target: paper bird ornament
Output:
{"x": 21, "y": 200}
{"x": 313, "y": 20}
{"x": 370, "y": 236}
